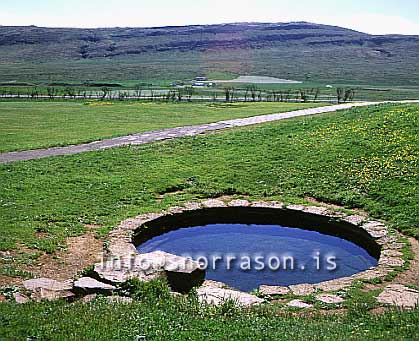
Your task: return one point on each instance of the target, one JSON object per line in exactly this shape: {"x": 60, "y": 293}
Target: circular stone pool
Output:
{"x": 245, "y": 247}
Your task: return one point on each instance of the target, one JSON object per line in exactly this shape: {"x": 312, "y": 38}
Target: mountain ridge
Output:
{"x": 292, "y": 50}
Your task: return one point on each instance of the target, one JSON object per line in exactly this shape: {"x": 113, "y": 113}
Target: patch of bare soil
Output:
{"x": 412, "y": 275}
{"x": 337, "y": 207}
{"x": 92, "y": 226}
{"x": 82, "y": 251}
{"x": 41, "y": 235}
{"x": 408, "y": 277}
{"x": 329, "y": 312}
{"x": 380, "y": 310}
{"x": 9, "y": 281}
{"x": 162, "y": 196}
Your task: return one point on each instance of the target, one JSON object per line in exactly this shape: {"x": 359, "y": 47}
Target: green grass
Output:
{"x": 11, "y": 271}
{"x": 172, "y": 319}
{"x": 364, "y": 157}
{"x": 155, "y": 315}
{"x": 31, "y": 125}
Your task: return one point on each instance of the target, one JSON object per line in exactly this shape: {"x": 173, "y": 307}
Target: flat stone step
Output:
{"x": 219, "y": 296}
{"x": 91, "y": 285}
{"x": 400, "y": 296}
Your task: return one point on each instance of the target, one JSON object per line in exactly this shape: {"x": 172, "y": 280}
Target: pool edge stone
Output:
{"x": 120, "y": 243}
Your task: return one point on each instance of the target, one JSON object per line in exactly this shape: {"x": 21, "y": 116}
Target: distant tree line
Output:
{"x": 251, "y": 93}
{"x": 345, "y": 95}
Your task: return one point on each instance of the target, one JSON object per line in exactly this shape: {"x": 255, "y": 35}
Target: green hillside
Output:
{"x": 299, "y": 51}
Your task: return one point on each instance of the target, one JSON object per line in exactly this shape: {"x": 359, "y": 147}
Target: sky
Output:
{"x": 370, "y": 16}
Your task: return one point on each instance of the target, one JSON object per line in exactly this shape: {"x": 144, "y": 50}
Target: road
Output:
{"x": 173, "y": 133}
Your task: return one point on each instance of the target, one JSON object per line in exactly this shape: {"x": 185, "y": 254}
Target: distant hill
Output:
{"x": 299, "y": 50}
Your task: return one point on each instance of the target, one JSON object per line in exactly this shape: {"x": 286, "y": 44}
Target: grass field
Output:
{"x": 170, "y": 319}
{"x": 365, "y": 157}
{"x": 31, "y": 125}
{"x": 361, "y": 158}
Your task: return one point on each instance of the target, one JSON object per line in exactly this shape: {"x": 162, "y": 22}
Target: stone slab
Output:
{"x": 299, "y": 304}
{"x": 330, "y": 299}
{"x": 274, "y": 290}
{"x": 219, "y": 296}
{"x": 399, "y": 296}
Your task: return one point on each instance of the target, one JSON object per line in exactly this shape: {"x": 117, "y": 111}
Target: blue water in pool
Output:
{"x": 247, "y": 256}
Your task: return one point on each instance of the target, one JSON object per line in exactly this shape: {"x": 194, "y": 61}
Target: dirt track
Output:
{"x": 172, "y": 133}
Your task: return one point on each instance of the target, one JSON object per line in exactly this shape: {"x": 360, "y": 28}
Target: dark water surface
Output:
{"x": 304, "y": 256}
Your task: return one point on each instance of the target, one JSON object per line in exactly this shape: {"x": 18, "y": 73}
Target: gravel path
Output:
{"x": 172, "y": 133}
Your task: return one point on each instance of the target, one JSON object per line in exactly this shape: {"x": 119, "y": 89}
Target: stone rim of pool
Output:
{"x": 373, "y": 235}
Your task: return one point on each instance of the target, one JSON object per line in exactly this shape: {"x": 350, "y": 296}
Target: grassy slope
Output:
{"x": 30, "y": 125}
{"x": 299, "y": 51}
{"x": 326, "y": 65}
{"x": 365, "y": 158}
